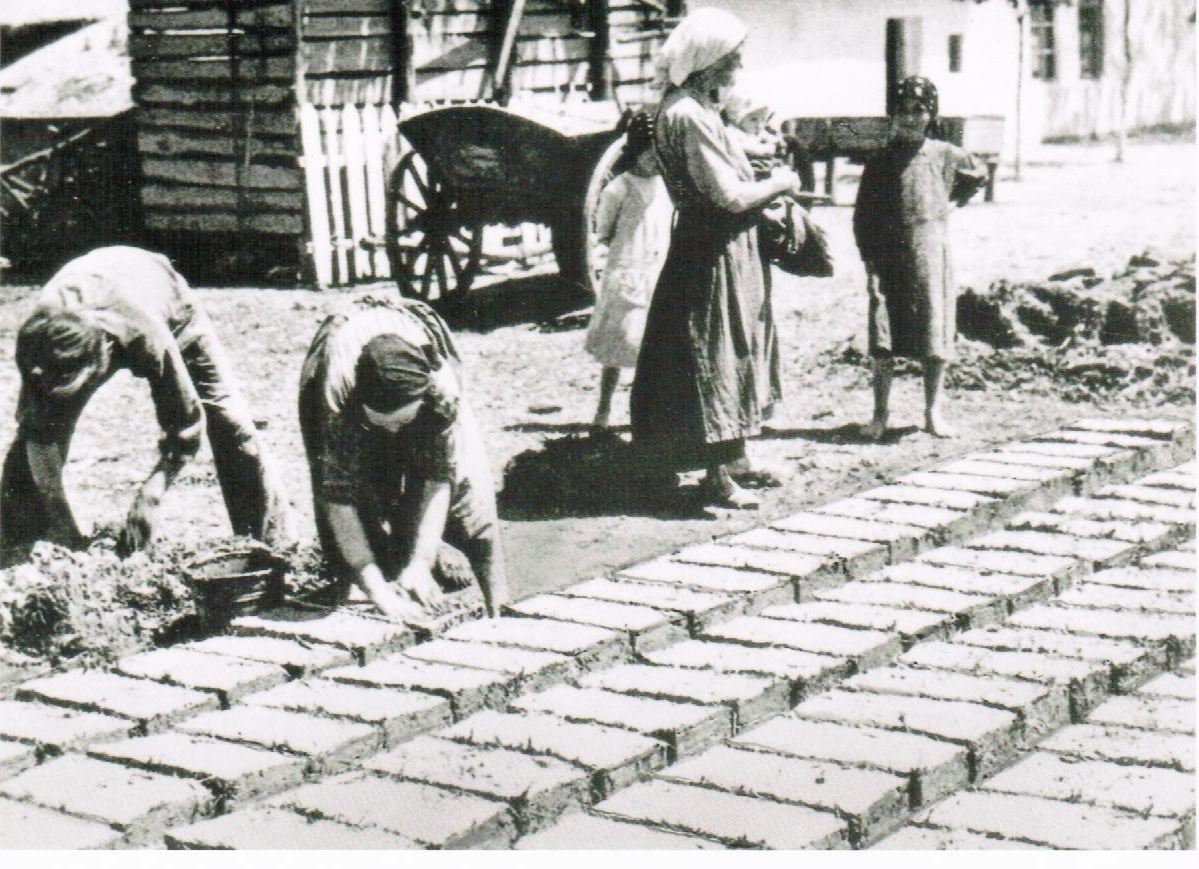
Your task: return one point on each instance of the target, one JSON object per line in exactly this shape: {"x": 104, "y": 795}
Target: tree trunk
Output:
{"x": 1020, "y": 63}
{"x": 1125, "y": 82}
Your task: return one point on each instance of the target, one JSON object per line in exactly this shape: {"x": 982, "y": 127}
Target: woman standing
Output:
{"x": 703, "y": 375}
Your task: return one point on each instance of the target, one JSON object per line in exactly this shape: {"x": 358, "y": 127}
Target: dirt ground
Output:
{"x": 566, "y": 512}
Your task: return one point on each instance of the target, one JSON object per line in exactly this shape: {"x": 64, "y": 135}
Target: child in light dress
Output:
{"x": 633, "y": 219}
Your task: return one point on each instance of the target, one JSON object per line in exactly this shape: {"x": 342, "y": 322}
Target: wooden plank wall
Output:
{"x": 216, "y": 115}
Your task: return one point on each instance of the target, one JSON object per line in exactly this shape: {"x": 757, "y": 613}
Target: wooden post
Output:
{"x": 598, "y": 80}
{"x": 403, "y": 78}
{"x": 903, "y": 51}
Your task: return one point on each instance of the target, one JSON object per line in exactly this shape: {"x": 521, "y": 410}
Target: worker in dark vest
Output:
{"x": 124, "y": 308}
{"x": 397, "y": 461}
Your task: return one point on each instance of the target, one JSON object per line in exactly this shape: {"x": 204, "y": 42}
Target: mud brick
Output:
{"x": 760, "y": 589}
{"x": 1144, "y": 790}
{"x": 1126, "y": 510}
{"x": 1087, "y": 681}
{"x": 751, "y": 698}
{"x": 430, "y": 816}
{"x": 328, "y": 743}
{"x": 1040, "y": 708}
{"x": 1151, "y": 535}
{"x": 944, "y": 525}
{"x": 992, "y": 736}
{"x": 467, "y": 689}
{"x": 1147, "y": 713}
{"x": 969, "y": 609}
{"x": 136, "y": 802}
{"x": 1175, "y": 633}
{"x": 15, "y": 757}
{"x": 1173, "y": 561}
{"x": 911, "y": 625}
{"x": 931, "y": 767}
{"x": 979, "y": 467}
{"x": 1150, "y": 579}
{"x": 806, "y": 672}
{"x": 983, "y": 507}
{"x": 613, "y": 757}
{"x": 1061, "y": 570}
{"x": 228, "y": 678}
{"x": 1173, "y": 498}
{"x": 1187, "y": 667}
{"x": 912, "y": 838}
{"x": 54, "y": 729}
{"x": 1186, "y": 545}
{"x": 1170, "y": 685}
{"x": 698, "y": 607}
{"x": 856, "y": 557}
{"x": 398, "y": 715}
{"x": 738, "y": 821}
{"x": 1014, "y": 455}
{"x": 1159, "y": 429}
{"x": 1170, "y": 480}
{"x": 1128, "y": 663}
{"x": 902, "y": 541}
{"x": 366, "y": 637}
{"x": 647, "y": 628}
{"x": 1059, "y": 448}
{"x": 868, "y": 799}
{"x": 685, "y": 727}
{"x": 538, "y": 789}
{"x": 1107, "y": 439}
{"x": 1124, "y": 745}
{"x": 25, "y": 827}
{"x": 591, "y": 647}
{"x": 865, "y": 648}
{"x": 298, "y": 658}
{"x": 151, "y": 705}
{"x": 993, "y": 487}
{"x": 1111, "y": 597}
{"x": 1096, "y": 554}
{"x": 231, "y": 771}
{"x": 803, "y": 569}
{"x": 532, "y": 669}
{"x": 583, "y": 832}
{"x": 276, "y": 829}
{"x": 1050, "y": 822}
{"x": 1016, "y": 591}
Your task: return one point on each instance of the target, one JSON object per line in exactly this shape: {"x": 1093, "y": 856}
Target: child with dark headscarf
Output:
{"x": 901, "y": 224}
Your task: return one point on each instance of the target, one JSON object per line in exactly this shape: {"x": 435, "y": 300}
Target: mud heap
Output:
{"x": 1130, "y": 336}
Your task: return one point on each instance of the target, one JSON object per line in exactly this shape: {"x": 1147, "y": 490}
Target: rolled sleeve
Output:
{"x": 712, "y": 169}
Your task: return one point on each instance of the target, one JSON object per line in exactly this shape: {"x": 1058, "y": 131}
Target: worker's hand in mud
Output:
{"x": 417, "y": 580}
{"x": 398, "y": 606}
{"x": 139, "y": 525}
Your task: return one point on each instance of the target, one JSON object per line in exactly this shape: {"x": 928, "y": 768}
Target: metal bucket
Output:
{"x": 232, "y": 584}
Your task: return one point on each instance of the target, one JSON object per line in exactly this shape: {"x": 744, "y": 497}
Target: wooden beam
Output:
{"x": 601, "y": 38}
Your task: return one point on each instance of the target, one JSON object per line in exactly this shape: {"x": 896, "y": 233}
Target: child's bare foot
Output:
{"x": 875, "y": 431}
{"x": 936, "y": 426}
{"x": 758, "y": 475}
{"x": 725, "y": 493}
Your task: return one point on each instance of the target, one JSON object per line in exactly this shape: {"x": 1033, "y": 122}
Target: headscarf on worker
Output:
{"x": 700, "y": 40}
{"x": 918, "y": 89}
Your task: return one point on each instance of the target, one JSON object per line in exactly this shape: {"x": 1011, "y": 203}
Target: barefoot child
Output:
{"x": 901, "y": 224}
{"x": 633, "y": 219}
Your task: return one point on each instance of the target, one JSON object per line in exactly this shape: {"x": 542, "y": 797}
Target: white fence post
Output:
{"x": 318, "y": 202}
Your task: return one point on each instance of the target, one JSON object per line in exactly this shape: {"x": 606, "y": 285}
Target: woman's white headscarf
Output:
{"x": 702, "y": 38}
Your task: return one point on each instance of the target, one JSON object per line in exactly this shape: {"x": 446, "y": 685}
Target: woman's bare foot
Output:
{"x": 936, "y": 426}
{"x": 758, "y": 475}
{"x": 721, "y": 491}
{"x": 875, "y": 431}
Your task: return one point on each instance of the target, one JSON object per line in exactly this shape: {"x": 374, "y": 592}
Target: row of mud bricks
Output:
{"x": 996, "y": 652}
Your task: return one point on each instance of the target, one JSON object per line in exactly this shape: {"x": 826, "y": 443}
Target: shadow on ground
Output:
{"x": 548, "y": 300}
{"x": 850, "y": 433}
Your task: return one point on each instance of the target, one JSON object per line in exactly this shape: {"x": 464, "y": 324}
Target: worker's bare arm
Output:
{"x": 46, "y": 462}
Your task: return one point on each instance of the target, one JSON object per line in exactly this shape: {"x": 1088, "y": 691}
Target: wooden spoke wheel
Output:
{"x": 434, "y": 255}
{"x": 594, "y": 254}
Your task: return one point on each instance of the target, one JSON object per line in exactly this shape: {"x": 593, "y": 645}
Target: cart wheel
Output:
{"x": 427, "y": 243}
{"x": 595, "y": 255}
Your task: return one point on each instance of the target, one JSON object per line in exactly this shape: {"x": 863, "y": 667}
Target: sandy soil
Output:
{"x": 534, "y": 388}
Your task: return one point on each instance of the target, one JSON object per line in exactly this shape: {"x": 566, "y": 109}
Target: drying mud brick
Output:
{"x": 432, "y": 817}
{"x": 538, "y": 789}
{"x": 1150, "y": 450}
{"x": 1132, "y": 599}
{"x": 685, "y": 727}
{"x": 1150, "y": 579}
{"x": 55, "y": 729}
{"x": 1174, "y": 498}
{"x": 944, "y": 525}
{"x": 583, "y": 832}
{"x": 913, "y": 838}
{"x": 871, "y": 801}
{"x": 1096, "y": 554}
{"x": 1150, "y": 535}
{"x": 991, "y": 735}
{"x": 299, "y": 659}
{"x": 1016, "y": 591}
{"x": 1051, "y": 822}
{"x": 805, "y": 671}
{"x": 734, "y": 820}
{"x": 1057, "y": 478}
{"x": 647, "y": 628}
{"x": 1173, "y": 479}
{"x": 1061, "y": 570}
{"x": 864, "y": 647}
{"x": 751, "y": 698}
{"x": 328, "y": 743}
{"x": 758, "y": 589}
{"x": 982, "y": 508}
{"x": 1125, "y": 746}
{"x": 228, "y": 678}
{"x": 613, "y": 757}
{"x": 398, "y": 715}
{"x": 366, "y": 637}
{"x": 138, "y": 803}
{"x": 1013, "y": 454}
{"x": 590, "y": 646}
{"x": 231, "y": 771}
{"x": 993, "y": 487}
{"x": 276, "y": 829}
{"x": 1175, "y": 633}
{"x": 911, "y": 624}
{"x": 855, "y": 557}
{"x": 698, "y": 607}
{"x": 151, "y": 705}
{"x": 933, "y": 768}
{"x": 969, "y": 609}
{"x": 15, "y": 758}
{"x": 804, "y": 569}
{"x": 902, "y": 541}
{"x": 26, "y": 827}
{"x": 1147, "y": 713}
{"x": 1173, "y": 561}
{"x": 533, "y": 669}
{"x": 1160, "y": 429}
{"x": 1126, "y": 510}
{"x": 467, "y": 689}
{"x": 1170, "y": 685}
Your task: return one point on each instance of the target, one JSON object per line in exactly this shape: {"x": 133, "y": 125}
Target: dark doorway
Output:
{"x": 904, "y": 46}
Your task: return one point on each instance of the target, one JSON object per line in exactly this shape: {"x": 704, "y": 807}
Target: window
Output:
{"x": 1090, "y": 38}
{"x": 955, "y": 52}
{"x": 1044, "y": 54}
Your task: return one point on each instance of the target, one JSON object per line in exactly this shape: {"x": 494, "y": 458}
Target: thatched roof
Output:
{"x": 83, "y": 75}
